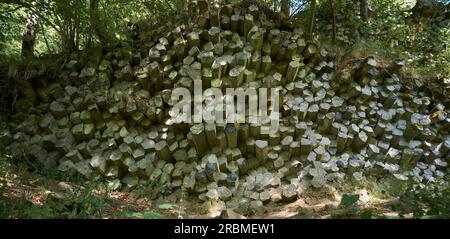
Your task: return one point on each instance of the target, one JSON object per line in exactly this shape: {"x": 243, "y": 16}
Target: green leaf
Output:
{"x": 367, "y": 214}
{"x": 39, "y": 212}
{"x": 131, "y": 214}
{"x": 152, "y": 215}
{"x": 144, "y": 215}
{"x": 349, "y": 200}
{"x": 167, "y": 206}
{"x": 431, "y": 217}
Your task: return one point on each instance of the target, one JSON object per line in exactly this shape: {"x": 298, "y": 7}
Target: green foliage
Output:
{"x": 392, "y": 33}
{"x": 167, "y": 206}
{"x": 434, "y": 53}
{"x": 85, "y": 206}
{"x": 424, "y": 44}
{"x": 143, "y": 215}
{"x": 11, "y": 28}
{"x": 39, "y": 212}
{"x": 426, "y": 201}
{"x": 349, "y": 205}
{"x": 349, "y": 200}
{"x": 370, "y": 213}
{"x": 352, "y": 210}
{"x": 3, "y": 183}
{"x": 67, "y": 25}
{"x": 82, "y": 202}
{"x": 3, "y": 176}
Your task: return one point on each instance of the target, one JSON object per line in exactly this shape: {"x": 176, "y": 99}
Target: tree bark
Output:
{"x": 96, "y": 22}
{"x": 45, "y": 38}
{"x": 285, "y": 7}
{"x": 333, "y": 13}
{"x": 29, "y": 34}
{"x": 311, "y": 21}
{"x": 364, "y": 10}
{"x": 364, "y": 14}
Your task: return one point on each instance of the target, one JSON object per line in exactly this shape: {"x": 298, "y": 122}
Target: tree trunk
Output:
{"x": 357, "y": 35}
{"x": 29, "y": 34}
{"x": 69, "y": 41}
{"x": 364, "y": 10}
{"x": 333, "y": 13}
{"x": 285, "y": 7}
{"x": 311, "y": 21}
{"x": 96, "y": 22}
{"x": 45, "y": 38}
{"x": 364, "y": 14}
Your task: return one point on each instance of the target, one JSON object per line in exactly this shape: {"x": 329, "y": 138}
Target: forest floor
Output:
{"x": 30, "y": 195}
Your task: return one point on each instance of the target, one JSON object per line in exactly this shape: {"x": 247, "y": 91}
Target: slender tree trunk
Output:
{"x": 333, "y": 13}
{"x": 364, "y": 10}
{"x": 45, "y": 38}
{"x": 357, "y": 35}
{"x": 364, "y": 14}
{"x": 29, "y": 34}
{"x": 311, "y": 20}
{"x": 96, "y": 22}
{"x": 69, "y": 37}
{"x": 286, "y": 8}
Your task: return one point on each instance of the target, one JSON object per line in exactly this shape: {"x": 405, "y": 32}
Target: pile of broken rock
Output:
{"x": 112, "y": 118}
